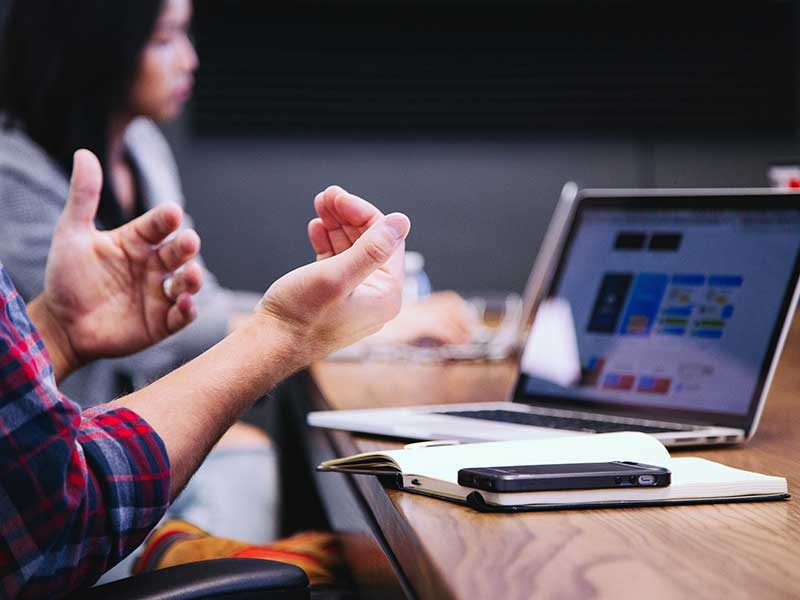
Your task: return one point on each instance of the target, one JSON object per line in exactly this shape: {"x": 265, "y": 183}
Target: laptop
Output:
{"x": 676, "y": 304}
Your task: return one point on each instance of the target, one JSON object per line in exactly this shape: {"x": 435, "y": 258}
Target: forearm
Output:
{"x": 194, "y": 405}
{"x": 62, "y": 355}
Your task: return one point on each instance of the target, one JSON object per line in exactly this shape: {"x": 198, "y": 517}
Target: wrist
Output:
{"x": 277, "y": 346}
{"x": 62, "y": 354}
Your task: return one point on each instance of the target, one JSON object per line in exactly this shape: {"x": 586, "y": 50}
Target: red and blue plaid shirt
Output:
{"x": 78, "y": 490}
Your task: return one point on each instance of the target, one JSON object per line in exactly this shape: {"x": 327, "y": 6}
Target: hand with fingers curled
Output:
{"x": 353, "y": 288}
{"x": 112, "y": 293}
{"x": 442, "y": 318}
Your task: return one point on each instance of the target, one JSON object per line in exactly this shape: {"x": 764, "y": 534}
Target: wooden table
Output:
{"x": 420, "y": 547}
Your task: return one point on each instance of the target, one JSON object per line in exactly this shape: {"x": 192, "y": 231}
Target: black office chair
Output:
{"x": 222, "y": 578}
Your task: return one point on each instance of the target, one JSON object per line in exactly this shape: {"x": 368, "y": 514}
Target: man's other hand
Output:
{"x": 354, "y": 287}
{"x": 442, "y": 318}
{"x": 113, "y": 293}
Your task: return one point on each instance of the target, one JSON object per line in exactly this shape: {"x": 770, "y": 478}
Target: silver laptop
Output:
{"x": 657, "y": 311}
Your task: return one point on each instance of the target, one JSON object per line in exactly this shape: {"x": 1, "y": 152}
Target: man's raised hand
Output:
{"x": 354, "y": 287}
{"x": 116, "y": 292}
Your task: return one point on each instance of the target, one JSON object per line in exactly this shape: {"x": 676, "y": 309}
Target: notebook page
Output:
{"x": 697, "y": 476}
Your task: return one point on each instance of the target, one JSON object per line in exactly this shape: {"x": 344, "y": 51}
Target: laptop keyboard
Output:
{"x": 553, "y": 422}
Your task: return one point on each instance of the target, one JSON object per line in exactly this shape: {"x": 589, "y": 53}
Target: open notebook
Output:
{"x": 433, "y": 470}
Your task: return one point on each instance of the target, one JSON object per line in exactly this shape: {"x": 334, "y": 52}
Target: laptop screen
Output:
{"x": 675, "y": 310}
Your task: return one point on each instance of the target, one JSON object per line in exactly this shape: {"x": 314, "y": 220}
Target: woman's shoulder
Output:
{"x": 144, "y": 133}
{"x": 23, "y": 163}
{"x": 153, "y": 155}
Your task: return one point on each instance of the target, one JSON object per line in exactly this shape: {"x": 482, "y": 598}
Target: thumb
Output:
{"x": 373, "y": 249}
{"x": 84, "y": 190}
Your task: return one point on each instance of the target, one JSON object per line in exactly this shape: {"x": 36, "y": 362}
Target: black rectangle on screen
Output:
{"x": 630, "y": 240}
{"x": 609, "y": 302}
{"x": 665, "y": 242}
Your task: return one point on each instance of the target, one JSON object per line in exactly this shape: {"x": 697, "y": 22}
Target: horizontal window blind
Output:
{"x": 625, "y": 66}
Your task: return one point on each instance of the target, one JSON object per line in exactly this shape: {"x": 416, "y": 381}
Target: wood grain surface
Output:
{"x": 449, "y": 551}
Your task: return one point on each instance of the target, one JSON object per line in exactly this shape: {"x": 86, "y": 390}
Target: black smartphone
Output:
{"x": 574, "y": 476}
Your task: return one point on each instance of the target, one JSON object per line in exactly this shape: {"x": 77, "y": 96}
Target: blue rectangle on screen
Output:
{"x": 725, "y": 281}
{"x": 673, "y": 331}
{"x": 645, "y": 300}
{"x": 707, "y": 333}
{"x": 677, "y": 311}
{"x": 646, "y": 382}
{"x": 688, "y": 279}
{"x": 727, "y": 311}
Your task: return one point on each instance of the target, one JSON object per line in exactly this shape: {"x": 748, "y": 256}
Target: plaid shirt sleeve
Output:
{"x": 78, "y": 491}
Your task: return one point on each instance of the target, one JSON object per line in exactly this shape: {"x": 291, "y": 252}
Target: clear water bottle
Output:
{"x": 416, "y": 284}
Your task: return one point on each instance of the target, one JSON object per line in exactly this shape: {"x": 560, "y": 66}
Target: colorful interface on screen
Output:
{"x": 674, "y": 309}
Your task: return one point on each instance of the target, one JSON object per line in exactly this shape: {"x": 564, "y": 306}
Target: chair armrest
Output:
{"x": 229, "y": 578}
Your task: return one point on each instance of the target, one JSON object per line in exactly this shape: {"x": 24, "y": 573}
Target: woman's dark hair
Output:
{"x": 66, "y": 68}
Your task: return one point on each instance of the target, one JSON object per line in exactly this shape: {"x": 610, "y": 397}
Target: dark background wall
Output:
{"x": 470, "y": 116}
{"x": 479, "y": 206}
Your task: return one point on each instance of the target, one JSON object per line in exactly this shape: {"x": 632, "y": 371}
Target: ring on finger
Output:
{"x": 167, "y": 287}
